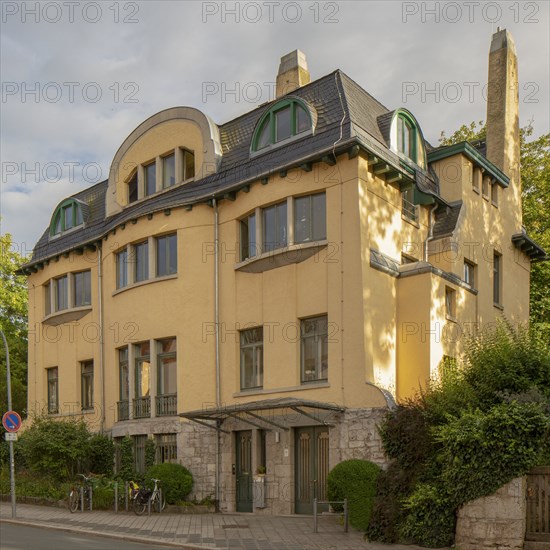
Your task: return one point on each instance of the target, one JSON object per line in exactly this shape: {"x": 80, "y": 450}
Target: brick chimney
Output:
{"x": 293, "y": 73}
{"x": 503, "y": 105}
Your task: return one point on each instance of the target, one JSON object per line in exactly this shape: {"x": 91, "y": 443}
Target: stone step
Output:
{"x": 532, "y": 545}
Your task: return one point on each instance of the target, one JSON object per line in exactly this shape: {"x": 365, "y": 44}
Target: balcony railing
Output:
{"x": 142, "y": 407}
{"x": 123, "y": 410}
{"x": 409, "y": 210}
{"x": 167, "y": 405}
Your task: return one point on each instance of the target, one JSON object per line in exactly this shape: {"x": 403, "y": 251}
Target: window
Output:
{"x": 406, "y": 137}
{"x": 497, "y": 278}
{"x": 469, "y": 273}
{"x": 167, "y": 448}
{"x": 168, "y": 171}
{"x": 485, "y": 187}
{"x": 82, "y": 289}
{"x": 408, "y": 209}
{"x": 166, "y": 377}
{"x": 476, "y": 176}
{"x": 87, "y": 385}
{"x": 121, "y": 268}
{"x": 248, "y": 237}
{"x": 53, "y": 391}
{"x": 139, "y": 452}
{"x": 310, "y": 218}
{"x": 141, "y": 252}
{"x": 285, "y": 119}
{"x": 67, "y": 216}
{"x": 494, "y": 193}
{"x": 61, "y": 293}
{"x": 274, "y": 227}
{"x": 252, "y": 358}
{"x": 167, "y": 255}
{"x": 142, "y": 401}
{"x": 450, "y": 303}
{"x": 133, "y": 188}
{"x": 48, "y": 298}
{"x": 150, "y": 172}
{"x": 124, "y": 384}
{"x": 314, "y": 348}
{"x": 188, "y": 165}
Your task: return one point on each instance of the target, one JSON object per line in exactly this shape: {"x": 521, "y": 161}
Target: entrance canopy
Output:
{"x": 266, "y": 414}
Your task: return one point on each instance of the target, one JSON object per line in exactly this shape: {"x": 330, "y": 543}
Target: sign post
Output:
{"x": 12, "y": 423}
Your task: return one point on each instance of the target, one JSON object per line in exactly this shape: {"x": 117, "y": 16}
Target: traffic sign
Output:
{"x": 10, "y": 436}
{"x": 11, "y": 421}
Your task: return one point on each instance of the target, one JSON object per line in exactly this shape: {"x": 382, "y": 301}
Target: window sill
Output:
{"x": 486, "y": 197}
{"x": 301, "y": 387}
{"x": 282, "y": 143}
{"x": 66, "y": 315}
{"x": 451, "y": 318}
{"x": 499, "y": 306}
{"x": 142, "y": 283}
{"x": 410, "y": 220}
{"x": 475, "y": 190}
{"x": 495, "y": 204}
{"x": 293, "y": 254}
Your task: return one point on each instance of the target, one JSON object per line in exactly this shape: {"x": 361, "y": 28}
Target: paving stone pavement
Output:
{"x": 201, "y": 531}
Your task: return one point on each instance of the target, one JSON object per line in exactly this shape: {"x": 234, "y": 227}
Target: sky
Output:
{"x": 78, "y": 77}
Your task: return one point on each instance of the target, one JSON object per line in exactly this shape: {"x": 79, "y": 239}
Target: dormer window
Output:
{"x": 67, "y": 215}
{"x": 285, "y": 120}
{"x": 406, "y": 138}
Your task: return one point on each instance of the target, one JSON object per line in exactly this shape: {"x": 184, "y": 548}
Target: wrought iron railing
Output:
{"x": 123, "y": 410}
{"x": 142, "y": 407}
{"x": 409, "y": 210}
{"x": 167, "y": 405}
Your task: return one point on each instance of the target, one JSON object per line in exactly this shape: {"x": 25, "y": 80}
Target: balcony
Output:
{"x": 142, "y": 407}
{"x": 167, "y": 405}
{"x": 123, "y": 410}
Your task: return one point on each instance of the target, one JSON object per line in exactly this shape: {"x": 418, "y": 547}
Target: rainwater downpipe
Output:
{"x": 101, "y": 336}
{"x": 217, "y": 337}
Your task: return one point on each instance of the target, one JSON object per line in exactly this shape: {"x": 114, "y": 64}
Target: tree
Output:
{"x": 13, "y": 322}
{"x": 535, "y": 180}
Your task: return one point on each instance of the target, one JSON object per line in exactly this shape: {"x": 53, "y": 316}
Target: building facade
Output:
{"x": 255, "y": 295}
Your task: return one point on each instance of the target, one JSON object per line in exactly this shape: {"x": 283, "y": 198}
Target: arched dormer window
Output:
{"x": 68, "y": 215}
{"x": 286, "y": 119}
{"x": 407, "y": 139}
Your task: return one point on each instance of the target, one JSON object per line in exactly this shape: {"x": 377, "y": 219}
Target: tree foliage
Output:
{"x": 13, "y": 322}
{"x": 535, "y": 182}
{"x": 485, "y": 422}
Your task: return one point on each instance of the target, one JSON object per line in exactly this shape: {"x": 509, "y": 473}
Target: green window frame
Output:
{"x": 87, "y": 385}
{"x": 68, "y": 215}
{"x": 252, "y": 358}
{"x": 53, "y": 390}
{"x": 299, "y": 122}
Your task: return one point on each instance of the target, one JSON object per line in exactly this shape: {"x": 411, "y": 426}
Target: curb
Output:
{"x": 102, "y": 534}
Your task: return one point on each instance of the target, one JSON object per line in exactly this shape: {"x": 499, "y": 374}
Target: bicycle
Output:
{"x": 125, "y": 499}
{"x": 144, "y": 496}
{"x": 75, "y": 498}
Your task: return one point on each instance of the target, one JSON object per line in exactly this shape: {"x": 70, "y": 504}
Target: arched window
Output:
{"x": 67, "y": 215}
{"x": 286, "y": 119}
{"x": 406, "y": 138}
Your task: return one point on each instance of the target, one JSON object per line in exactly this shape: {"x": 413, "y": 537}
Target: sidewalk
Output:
{"x": 200, "y": 531}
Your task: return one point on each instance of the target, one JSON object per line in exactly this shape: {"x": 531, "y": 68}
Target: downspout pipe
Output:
{"x": 217, "y": 339}
{"x": 101, "y": 339}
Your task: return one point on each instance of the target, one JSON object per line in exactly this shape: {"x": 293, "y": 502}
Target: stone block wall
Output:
{"x": 495, "y": 522}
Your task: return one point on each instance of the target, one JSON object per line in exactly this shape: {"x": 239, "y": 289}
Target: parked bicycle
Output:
{"x": 145, "y": 495}
{"x": 127, "y": 491}
{"x": 81, "y": 494}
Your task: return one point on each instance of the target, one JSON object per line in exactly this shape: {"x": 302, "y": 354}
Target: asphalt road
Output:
{"x": 21, "y": 537}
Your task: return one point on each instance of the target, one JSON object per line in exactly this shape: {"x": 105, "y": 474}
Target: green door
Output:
{"x": 311, "y": 468}
{"x": 243, "y": 470}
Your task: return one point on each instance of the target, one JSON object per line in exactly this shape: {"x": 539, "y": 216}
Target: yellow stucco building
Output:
{"x": 254, "y": 295}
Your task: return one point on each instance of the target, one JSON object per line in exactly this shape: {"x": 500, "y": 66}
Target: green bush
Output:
{"x": 176, "y": 480}
{"x": 356, "y": 481}
{"x": 127, "y": 465}
{"x": 101, "y": 457}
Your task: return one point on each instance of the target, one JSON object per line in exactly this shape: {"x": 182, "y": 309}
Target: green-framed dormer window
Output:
{"x": 67, "y": 215}
{"x": 286, "y": 119}
{"x": 407, "y": 139}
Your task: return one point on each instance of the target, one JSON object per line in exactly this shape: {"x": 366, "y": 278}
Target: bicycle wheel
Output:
{"x": 74, "y": 499}
{"x": 140, "y": 504}
{"x": 155, "y": 502}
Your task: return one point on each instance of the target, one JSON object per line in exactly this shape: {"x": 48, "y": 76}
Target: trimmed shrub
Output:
{"x": 176, "y": 480}
{"x": 127, "y": 471}
{"x": 356, "y": 481}
{"x": 101, "y": 456}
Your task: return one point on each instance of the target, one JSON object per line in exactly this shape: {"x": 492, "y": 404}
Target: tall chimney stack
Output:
{"x": 503, "y": 106}
{"x": 293, "y": 73}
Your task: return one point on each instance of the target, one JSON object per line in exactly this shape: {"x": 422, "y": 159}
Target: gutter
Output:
{"x": 102, "y": 339}
{"x": 217, "y": 341}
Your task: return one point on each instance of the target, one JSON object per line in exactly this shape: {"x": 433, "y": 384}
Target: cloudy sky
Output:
{"x": 78, "y": 77}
